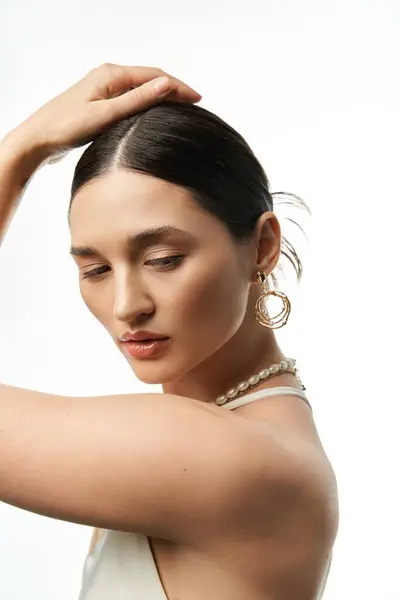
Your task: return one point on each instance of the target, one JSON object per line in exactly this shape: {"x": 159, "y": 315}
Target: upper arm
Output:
{"x": 156, "y": 464}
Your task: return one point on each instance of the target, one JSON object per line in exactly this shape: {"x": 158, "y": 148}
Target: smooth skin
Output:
{"x": 256, "y": 479}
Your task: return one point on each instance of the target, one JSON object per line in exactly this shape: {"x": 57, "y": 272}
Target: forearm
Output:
{"x": 20, "y": 157}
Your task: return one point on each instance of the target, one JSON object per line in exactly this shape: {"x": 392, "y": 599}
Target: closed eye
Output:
{"x": 94, "y": 272}
{"x": 166, "y": 262}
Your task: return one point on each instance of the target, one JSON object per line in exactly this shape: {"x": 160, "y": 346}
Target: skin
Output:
{"x": 204, "y": 303}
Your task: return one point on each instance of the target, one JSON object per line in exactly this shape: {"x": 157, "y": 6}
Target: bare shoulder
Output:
{"x": 295, "y": 523}
{"x": 290, "y": 421}
{"x": 308, "y": 492}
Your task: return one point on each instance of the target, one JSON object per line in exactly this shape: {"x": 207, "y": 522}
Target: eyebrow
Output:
{"x": 134, "y": 241}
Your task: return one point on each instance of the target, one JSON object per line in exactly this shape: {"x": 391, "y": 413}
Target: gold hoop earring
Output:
{"x": 261, "y": 305}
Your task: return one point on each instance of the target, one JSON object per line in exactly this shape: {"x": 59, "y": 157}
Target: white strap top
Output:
{"x": 121, "y": 565}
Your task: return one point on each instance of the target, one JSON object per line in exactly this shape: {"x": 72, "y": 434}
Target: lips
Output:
{"x": 143, "y": 340}
{"x": 146, "y": 348}
{"x": 141, "y": 335}
{"x": 148, "y": 339}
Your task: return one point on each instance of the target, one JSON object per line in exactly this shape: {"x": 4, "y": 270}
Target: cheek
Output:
{"x": 210, "y": 303}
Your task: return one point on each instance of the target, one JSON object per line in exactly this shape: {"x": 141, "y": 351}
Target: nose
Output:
{"x": 131, "y": 300}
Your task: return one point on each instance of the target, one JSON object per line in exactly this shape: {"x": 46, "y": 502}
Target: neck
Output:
{"x": 252, "y": 348}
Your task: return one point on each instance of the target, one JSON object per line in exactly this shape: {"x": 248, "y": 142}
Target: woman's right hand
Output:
{"x": 106, "y": 94}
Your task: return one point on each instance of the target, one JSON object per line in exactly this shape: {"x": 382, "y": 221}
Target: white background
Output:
{"x": 314, "y": 88}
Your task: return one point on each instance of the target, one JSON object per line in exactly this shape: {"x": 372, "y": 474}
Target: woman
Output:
{"x": 219, "y": 487}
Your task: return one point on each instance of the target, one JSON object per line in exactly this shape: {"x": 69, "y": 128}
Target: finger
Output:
{"x": 178, "y": 95}
{"x": 136, "y": 100}
{"x": 175, "y": 93}
{"x": 118, "y": 78}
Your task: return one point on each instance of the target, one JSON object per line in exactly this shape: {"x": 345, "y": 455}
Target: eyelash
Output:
{"x": 172, "y": 261}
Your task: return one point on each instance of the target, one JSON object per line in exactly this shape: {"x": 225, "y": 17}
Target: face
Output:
{"x": 190, "y": 285}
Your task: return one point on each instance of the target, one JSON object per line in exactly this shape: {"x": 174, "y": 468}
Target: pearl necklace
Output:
{"x": 285, "y": 366}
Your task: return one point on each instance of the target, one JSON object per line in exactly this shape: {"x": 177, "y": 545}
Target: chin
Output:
{"x": 155, "y": 372}
{"x": 166, "y": 368}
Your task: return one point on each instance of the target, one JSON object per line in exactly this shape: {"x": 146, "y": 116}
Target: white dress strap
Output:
{"x": 276, "y": 391}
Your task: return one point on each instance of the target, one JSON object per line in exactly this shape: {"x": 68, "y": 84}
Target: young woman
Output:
{"x": 219, "y": 487}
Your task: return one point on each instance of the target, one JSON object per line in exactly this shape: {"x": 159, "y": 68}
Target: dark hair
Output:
{"x": 190, "y": 146}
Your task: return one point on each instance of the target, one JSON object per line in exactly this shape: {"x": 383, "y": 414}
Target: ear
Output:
{"x": 268, "y": 242}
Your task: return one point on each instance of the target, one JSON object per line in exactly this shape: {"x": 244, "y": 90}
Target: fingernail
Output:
{"x": 162, "y": 85}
